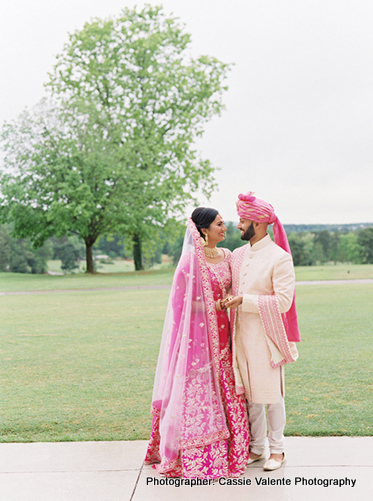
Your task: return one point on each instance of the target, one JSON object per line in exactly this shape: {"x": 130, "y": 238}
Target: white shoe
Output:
{"x": 262, "y": 456}
{"x": 272, "y": 464}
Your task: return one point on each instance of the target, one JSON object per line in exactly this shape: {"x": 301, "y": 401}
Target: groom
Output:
{"x": 264, "y": 324}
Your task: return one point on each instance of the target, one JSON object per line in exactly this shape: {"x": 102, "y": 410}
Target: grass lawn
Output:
{"x": 329, "y": 389}
{"x": 334, "y": 272}
{"x": 80, "y": 365}
{"x": 117, "y": 266}
{"x": 12, "y": 282}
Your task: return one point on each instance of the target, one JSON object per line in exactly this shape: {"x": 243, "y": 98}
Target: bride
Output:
{"x": 200, "y": 427}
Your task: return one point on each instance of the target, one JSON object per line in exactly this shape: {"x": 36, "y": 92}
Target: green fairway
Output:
{"x": 329, "y": 388}
{"x": 80, "y": 365}
{"x": 11, "y": 282}
{"x": 334, "y": 272}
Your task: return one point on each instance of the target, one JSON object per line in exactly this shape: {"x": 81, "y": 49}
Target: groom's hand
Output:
{"x": 234, "y": 303}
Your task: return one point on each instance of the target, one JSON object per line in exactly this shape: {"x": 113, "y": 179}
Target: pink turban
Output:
{"x": 254, "y": 209}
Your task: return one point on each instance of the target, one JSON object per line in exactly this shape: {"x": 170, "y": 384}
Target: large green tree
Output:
{"x": 115, "y": 151}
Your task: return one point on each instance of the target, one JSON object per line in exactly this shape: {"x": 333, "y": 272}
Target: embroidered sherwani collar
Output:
{"x": 261, "y": 244}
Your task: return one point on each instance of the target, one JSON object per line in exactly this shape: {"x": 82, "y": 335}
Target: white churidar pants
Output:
{"x": 258, "y": 427}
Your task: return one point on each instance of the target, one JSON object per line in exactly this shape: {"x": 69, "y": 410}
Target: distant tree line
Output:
{"x": 319, "y": 244}
{"x": 319, "y": 247}
{"x": 18, "y": 255}
{"x": 308, "y": 248}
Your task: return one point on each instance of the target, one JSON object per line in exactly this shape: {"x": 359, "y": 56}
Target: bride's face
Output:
{"x": 216, "y": 231}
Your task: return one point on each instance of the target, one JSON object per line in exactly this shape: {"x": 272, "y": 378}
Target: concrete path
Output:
{"x": 317, "y": 469}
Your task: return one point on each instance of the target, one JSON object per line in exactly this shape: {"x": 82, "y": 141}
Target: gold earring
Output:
{"x": 205, "y": 240}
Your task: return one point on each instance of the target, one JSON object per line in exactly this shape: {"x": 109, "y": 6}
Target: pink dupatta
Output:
{"x": 186, "y": 395}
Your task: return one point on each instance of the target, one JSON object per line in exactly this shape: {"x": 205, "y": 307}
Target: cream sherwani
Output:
{"x": 261, "y": 270}
{"x": 266, "y": 269}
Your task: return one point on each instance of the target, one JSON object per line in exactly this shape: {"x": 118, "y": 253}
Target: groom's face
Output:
{"x": 246, "y": 227}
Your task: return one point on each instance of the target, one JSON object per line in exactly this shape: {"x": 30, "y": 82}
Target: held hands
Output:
{"x": 232, "y": 302}
{"x": 221, "y": 303}
{"x": 228, "y": 302}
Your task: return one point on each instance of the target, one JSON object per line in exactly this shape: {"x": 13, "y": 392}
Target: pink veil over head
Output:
{"x": 186, "y": 395}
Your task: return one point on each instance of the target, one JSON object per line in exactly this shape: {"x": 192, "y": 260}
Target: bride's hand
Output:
{"x": 234, "y": 302}
{"x": 223, "y": 302}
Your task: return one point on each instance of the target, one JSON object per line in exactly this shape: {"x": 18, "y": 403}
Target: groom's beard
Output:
{"x": 249, "y": 233}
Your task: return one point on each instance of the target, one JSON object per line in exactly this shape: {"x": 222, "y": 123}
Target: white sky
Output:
{"x": 298, "y": 124}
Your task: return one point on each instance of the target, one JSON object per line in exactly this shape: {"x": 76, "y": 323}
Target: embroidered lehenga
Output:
{"x": 200, "y": 427}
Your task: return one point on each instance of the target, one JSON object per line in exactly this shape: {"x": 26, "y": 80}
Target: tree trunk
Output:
{"x": 137, "y": 255}
{"x": 89, "y": 257}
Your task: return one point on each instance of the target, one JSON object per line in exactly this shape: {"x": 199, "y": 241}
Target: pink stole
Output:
{"x": 275, "y": 330}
